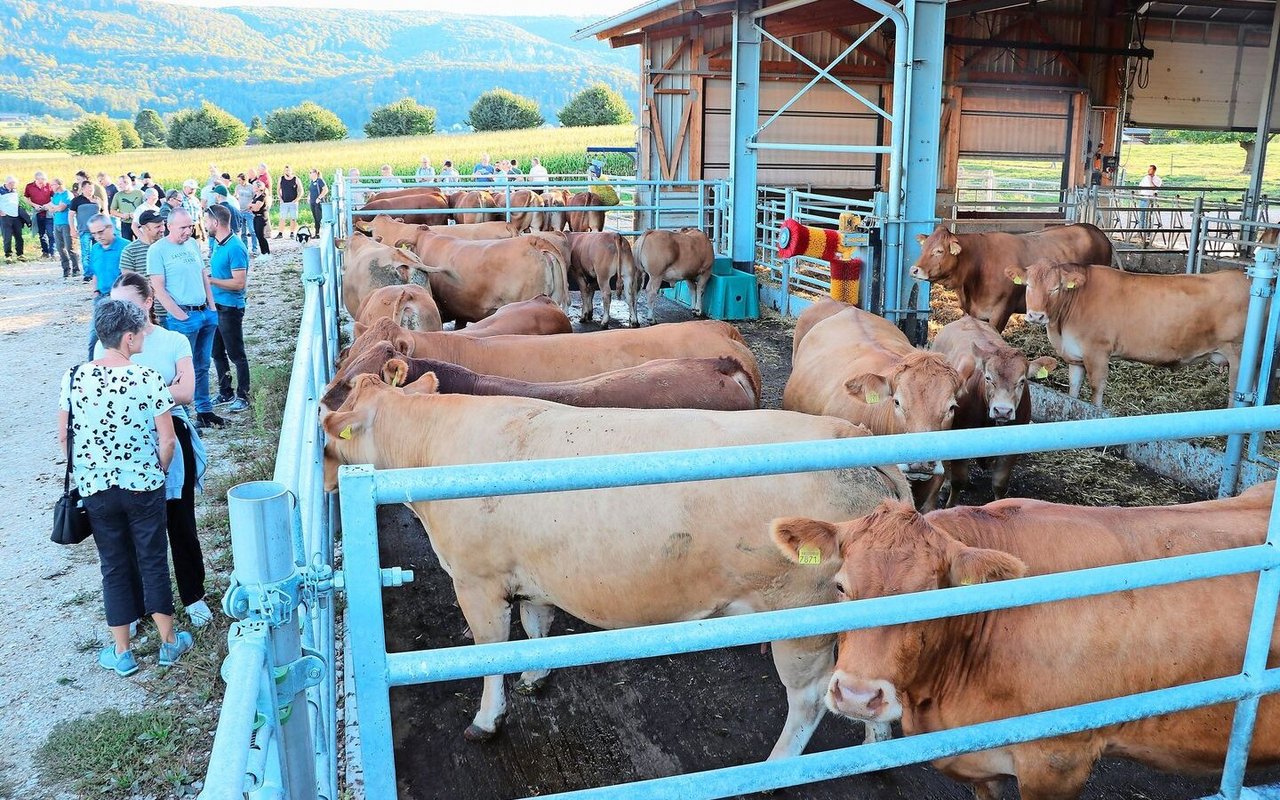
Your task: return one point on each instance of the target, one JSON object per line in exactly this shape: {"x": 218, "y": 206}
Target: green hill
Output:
{"x": 117, "y": 56}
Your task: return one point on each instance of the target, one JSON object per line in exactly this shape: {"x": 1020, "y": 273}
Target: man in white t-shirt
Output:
{"x": 1150, "y": 182}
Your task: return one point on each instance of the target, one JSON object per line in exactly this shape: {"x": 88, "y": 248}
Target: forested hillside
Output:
{"x": 117, "y": 56}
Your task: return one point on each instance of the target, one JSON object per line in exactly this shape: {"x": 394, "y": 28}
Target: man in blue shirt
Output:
{"x": 484, "y": 170}
{"x": 107, "y": 249}
{"x": 60, "y": 204}
{"x": 228, "y": 275}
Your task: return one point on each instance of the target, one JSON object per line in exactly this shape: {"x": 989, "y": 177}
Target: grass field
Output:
{"x": 561, "y": 150}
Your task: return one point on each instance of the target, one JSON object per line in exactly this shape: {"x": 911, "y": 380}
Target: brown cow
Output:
{"x": 555, "y": 218}
{"x": 946, "y": 673}
{"x": 1095, "y": 312}
{"x": 566, "y": 356}
{"x": 383, "y": 194}
{"x": 662, "y": 255}
{"x": 854, "y": 365}
{"x": 408, "y": 306}
{"x": 473, "y": 199}
{"x": 537, "y": 316}
{"x": 602, "y": 260}
{"x": 492, "y": 273}
{"x": 973, "y": 264}
{"x": 581, "y": 220}
{"x": 368, "y": 265}
{"x": 521, "y": 198}
{"x": 710, "y": 383}
{"x": 614, "y": 558}
{"x": 397, "y": 205}
{"x": 996, "y": 392}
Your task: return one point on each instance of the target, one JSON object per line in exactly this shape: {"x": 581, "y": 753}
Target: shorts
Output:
{"x": 289, "y": 211}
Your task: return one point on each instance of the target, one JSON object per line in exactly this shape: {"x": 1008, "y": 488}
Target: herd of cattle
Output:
{"x": 514, "y": 383}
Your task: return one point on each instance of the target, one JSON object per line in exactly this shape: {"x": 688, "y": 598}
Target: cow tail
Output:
{"x": 557, "y": 279}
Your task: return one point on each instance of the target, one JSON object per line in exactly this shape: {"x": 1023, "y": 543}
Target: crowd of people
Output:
{"x": 169, "y": 272}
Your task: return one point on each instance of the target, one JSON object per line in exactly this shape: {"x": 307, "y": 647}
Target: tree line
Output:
{"x": 210, "y": 126}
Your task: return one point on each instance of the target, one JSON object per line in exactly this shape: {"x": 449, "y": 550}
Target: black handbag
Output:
{"x": 70, "y": 519}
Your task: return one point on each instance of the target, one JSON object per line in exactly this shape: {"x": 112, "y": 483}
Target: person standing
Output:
{"x": 84, "y": 208}
{"x": 448, "y": 174}
{"x": 149, "y": 230}
{"x": 148, "y": 183}
{"x": 290, "y": 191}
{"x": 169, "y": 354}
{"x": 176, "y": 270}
{"x": 105, "y": 191}
{"x": 127, "y": 199}
{"x": 538, "y": 175}
{"x": 107, "y": 252}
{"x": 261, "y": 206}
{"x": 172, "y": 201}
{"x": 228, "y": 275}
{"x": 425, "y": 173}
{"x": 39, "y": 192}
{"x": 10, "y": 218}
{"x": 483, "y": 170}
{"x": 357, "y": 193}
{"x": 263, "y": 177}
{"x": 317, "y": 193}
{"x": 388, "y": 177}
{"x": 118, "y": 461}
{"x": 150, "y": 202}
{"x": 60, "y": 208}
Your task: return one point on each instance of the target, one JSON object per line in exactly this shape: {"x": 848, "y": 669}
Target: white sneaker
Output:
{"x": 133, "y": 629}
{"x": 199, "y": 614}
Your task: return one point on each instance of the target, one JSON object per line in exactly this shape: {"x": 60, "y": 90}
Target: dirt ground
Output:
{"x": 613, "y": 723}
{"x": 52, "y": 595}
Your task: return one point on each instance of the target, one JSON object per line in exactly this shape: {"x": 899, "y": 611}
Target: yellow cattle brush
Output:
{"x": 826, "y": 245}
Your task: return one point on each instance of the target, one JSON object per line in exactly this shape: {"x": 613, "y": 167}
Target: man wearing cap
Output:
{"x": 149, "y": 229}
{"x": 39, "y": 192}
{"x": 177, "y": 274}
{"x": 126, "y": 199}
{"x": 147, "y": 183}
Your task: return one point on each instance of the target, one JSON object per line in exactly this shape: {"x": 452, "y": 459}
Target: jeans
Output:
{"x": 44, "y": 231}
{"x": 10, "y": 229}
{"x": 129, "y": 531}
{"x": 93, "y": 329}
{"x": 246, "y": 232}
{"x": 86, "y": 253}
{"x": 66, "y": 249}
{"x": 228, "y": 345}
{"x": 184, "y": 537}
{"x": 199, "y": 327}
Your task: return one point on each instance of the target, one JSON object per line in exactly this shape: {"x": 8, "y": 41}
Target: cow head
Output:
{"x": 939, "y": 254}
{"x": 891, "y": 551}
{"x": 1005, "y": 372}
{"x": 922, "y": 389}
{"x": 1048, "y": 286}
{"x": 350, "y": 429}
{"x": 366, "y": 357}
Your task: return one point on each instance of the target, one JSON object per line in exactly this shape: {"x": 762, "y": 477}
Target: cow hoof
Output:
{"x": 474, "y": 733}
{"x": 531, "y": 689}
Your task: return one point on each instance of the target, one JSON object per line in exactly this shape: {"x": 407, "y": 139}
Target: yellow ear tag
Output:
{"x": 967, "y": 582}
{"x": 810, "y": 554}
{"x": 1071, "y": 284}
{"x": 1042, "y": 373}
{"x": 873, "y": 398}
{"x": 395, "y": 381}
{"x": 1017, "y": 280}
{"x": 346, "y": 433}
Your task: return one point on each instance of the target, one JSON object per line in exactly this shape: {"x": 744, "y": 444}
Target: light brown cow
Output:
{"x": 615, "y": 558}
{"x": 408, "y": 306}
{"x": 973, "y": 264}
{"x": 555, "y": 218}
{"x": 567, "y": 356}
{"x": 473, "y": 199}
{"x": 384, "y": 194}
{"x": 396, "y": 206}
{"x": 537, "y": 316}
{"x": 710, "y": 383}
{"x": 947, "y": 673}
{"x": 581, "y": 220}
{"x": 492, "y": 273}
{"x": 1094, "y": 312}
{"x": 368, "y": 265}
{"x": 996, "y": 392}
{"x": 683, "y": 255}
{"x": 521, "y": 198}
{"x": 851, "y": 364}
{"x": 602, "y": 260}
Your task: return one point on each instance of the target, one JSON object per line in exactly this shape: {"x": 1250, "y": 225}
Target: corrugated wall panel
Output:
{"x": 825, "y": 115}
{"x": 1193, "y": 84}
{"x": 670, "y": 106}
{"x": 1021, "y": 123}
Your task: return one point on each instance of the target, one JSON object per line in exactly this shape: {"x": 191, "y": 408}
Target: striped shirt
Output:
{"x": 134, "y": 257}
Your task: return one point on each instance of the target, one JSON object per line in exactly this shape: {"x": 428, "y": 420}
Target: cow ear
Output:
{"x": 966, "y": 365}
{"x": 920, "y": 238}
{"x": 427, "y": 383}
{"x": 403, "y": 343}
{"x": 1016, "y": 274}
{"x": 347, "y": 423}
{"x": 1073, "y": 278}
{"x": 1041, "y": 367}
{"x": 360, "y": 328}
{"x": 806, "y": 541}
{"x": 954, "y": 248}
{"x": 871, "y": 388}
{"x": 970, "y": 565}
{"x": 395, "y": 372}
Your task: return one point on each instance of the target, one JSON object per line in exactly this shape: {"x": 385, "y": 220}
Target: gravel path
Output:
{"x": 51, "y": 595}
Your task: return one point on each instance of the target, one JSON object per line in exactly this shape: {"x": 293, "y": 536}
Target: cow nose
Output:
{"x": 917, "y": 273}
{"x": 1037, "y": 317}
{"x": 857, "y": 698}
{"x": 1001, "y": 413}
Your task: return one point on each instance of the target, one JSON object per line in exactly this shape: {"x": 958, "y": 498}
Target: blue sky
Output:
{"x": 598, "y": 9}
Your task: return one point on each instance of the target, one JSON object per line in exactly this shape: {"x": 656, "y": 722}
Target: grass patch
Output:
{"x": 111, "y": 753}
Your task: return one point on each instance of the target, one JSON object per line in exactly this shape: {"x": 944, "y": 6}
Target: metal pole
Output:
{"x": 229, "y": 760}
{"x": 1263, "y": 273}
{"x": 1265, "y": 106}
{"x": 262, "y": 549}
{"x": 744, "y": 116}
{"x": 1193, "y": 238}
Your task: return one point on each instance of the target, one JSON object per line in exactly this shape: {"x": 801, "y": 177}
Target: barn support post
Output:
{"x": 1252, "y": 199}
{"x": 1194, "y": 234}
{"x": 928, "y": 20}
{"x": 744, "y": 116}
{"x": 1263, "y": 275}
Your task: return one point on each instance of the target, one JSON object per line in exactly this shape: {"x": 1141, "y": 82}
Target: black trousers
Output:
{"x": 184, "y": 539}
{"x": 129, "y": 532}
{"x": 10, "y": 229}
{"x": 260, "y": 230}
{"x": 126, "y": 229}
{"x": 228, "y": 346}
{"x": 316, "y": 213}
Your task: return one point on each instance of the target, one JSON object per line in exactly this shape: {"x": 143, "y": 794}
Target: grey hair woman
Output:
{"x": 122, "y": 443}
